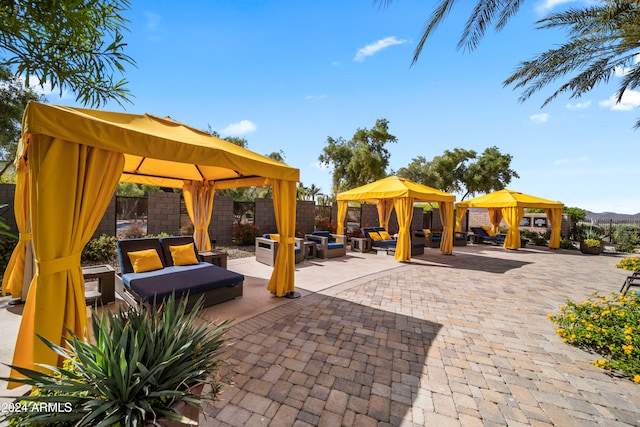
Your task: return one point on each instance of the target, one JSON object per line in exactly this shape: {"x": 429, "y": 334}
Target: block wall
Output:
{"x": 108, "y": 222}
{"x": 164, "y": 213}
{"x": 220, "y": 227}
{"x": 7, "y": 196}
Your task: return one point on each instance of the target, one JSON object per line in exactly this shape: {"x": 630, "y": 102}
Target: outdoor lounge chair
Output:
{"x": 485, "y": 237}
{"x": 267, "y": 249}
{"x": 633, "y": 280}
{"x": 417, "y": 247}
{"x": 328, "y": 245}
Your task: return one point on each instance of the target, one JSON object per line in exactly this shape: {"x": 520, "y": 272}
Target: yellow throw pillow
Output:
{"x": 275, "y": 237}
{"x": 146, "y": 260}
{"x": 488, "y": 229}
{"x": 384, "y": 235}
{"x": 426, "y": 230}
{"x": 374, "y": 236}
{"x": 183, "y": 254}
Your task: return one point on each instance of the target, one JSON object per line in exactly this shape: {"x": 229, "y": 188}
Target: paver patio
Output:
{"x": 440, "y": 341}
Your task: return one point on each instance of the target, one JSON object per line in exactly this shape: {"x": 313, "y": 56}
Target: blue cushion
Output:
{"x": 267, "y": 236}
{"x": 296, "y": 250}
{"x": 334, "y": 245}
{"x": 191, "y": 279}
{"x": 321, "y": 233}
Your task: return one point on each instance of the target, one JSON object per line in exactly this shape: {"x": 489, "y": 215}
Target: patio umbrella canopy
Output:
{"x": 75, "y": 158}
{"x": 400, "y": 194}
{"x": 510, "y": 205}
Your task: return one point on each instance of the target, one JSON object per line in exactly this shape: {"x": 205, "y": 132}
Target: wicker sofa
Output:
{"x": 267, "y": 249}
{"x": 328, "y": 245}
{"x": 216, "y": 284}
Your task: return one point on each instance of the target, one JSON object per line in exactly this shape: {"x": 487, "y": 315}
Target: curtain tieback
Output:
{"x": 200, "y": 227}
{"x": 288, "y": 240}
{"x": 25, "y": 236}
{"x": 57, "y": 265}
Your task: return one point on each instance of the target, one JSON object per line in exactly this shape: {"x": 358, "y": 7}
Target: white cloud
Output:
{"x": 563, "y": 162}
{"x": 547, "y": 5}
{"x": 313, "y": 97}
{"x": 579, "y": 105}
{"x": 240, "y": 128}
{"x": 153, "y": 20}
{"x": 630, "y": 100}
{"x": 539, "y": 118}
{"x": 373, "y": 48}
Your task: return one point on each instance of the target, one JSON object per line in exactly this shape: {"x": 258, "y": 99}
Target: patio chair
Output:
{"x": 267, "y": 249}
{"x": 328, "y": 245}
{"x": 633, "y": 280}
{"x": 485, "y": 237}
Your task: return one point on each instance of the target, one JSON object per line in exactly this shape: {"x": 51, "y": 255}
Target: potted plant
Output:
{"x": 591, "y": 242}
{"x": 141, "y": 365}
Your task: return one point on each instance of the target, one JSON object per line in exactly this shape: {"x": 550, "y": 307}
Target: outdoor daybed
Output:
{"x": 432, "y": 240}
{"x": 156, "y": 267}
{"x": 378, "y": 242}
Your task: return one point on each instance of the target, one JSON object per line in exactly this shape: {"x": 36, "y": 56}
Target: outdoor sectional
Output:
{"x": 267, "y": 249}
{"x": 417, "y": 247}
{"x": 215, "y": 283}
{"x": 328, "y": 245}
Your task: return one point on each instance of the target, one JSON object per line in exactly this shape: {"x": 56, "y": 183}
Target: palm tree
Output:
{"x": 313, "y": 191}
{"x": 603, "y": 41}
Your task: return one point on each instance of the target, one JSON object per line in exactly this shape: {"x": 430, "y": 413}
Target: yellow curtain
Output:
{"x": 446, "y": 218}
{"x": 555, "y": 218}
{"x": 71, "y": 187}
{"x": 459, "y": 215}
{"x": 198, "y": 198}
{"x": 342, "y": 213}
{"x": 404, "y": 212}
{"x": 284, "y": 204}
{"x": 513, "y": 217}
{"x": 385, "y": 206}
{"x": 19, "y": 269}
{"x": 495, "y": 217}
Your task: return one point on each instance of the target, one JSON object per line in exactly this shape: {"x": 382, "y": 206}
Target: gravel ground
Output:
{"x": 238, "y": 251}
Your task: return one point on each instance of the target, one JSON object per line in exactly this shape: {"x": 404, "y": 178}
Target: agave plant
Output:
{"x": 140, "y": 365}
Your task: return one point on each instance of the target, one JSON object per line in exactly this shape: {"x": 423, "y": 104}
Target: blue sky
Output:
{"x": 286, "y": 75}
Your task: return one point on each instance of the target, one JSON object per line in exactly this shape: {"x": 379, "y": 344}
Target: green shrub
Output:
{"x": 245, "y": 234}
{"x": 607, "y": 326}
{"x": 7, "y": 245}
{"x": 142, "y": 362}
{"x": 567, "y": 244}
{"x": 99, "y": 251}
{"x": 627, "y": 237}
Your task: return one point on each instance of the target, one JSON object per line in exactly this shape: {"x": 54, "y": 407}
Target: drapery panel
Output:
{"x": 555, "y": 218}
{"x": 20, "y": 267}
{"x": 446, "y": 217}
{"x": 342, "y": 214}
{"x": 513, "y": 217}
{"x": 460, "y": 211}
{"x": 284, "y": 205}
{"x": 404, "y": 213}
{"x": 385, "y": 206}
{"x": 495, "y": 217}
{"x": 198, "y": 198}
{"x": 71, "y": 186}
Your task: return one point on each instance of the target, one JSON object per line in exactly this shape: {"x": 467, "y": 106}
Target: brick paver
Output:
{"x": 459, "y": 340}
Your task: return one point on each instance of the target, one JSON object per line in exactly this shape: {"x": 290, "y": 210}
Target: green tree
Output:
{"x": 603, "y": 39}
{"x": 462, "y": 171}
{"x": 14, "y": 97}
{"x": 74, "y": 44}
{"x": 361, "y": 160}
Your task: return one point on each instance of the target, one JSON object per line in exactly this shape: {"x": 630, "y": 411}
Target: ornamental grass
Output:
{"x": 607, "y": 326}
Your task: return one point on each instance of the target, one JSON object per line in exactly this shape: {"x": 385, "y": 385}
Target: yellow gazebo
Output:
{"x": 69, "y": 162}
{"x": 510, "y": 205}
{"x": 400, "y": 193}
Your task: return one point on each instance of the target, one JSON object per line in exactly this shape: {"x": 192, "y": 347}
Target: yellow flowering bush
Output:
{"x": 629, "y": 263}
{"x": 608, "y": 326}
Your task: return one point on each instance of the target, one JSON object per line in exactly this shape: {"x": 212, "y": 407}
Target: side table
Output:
{"x": 106, "y": 277}
{"x": 360, "y": 244}
{"x": 310, "y": 250}
{"x": 218, "y": 258}
{"x": 473, "y": 238}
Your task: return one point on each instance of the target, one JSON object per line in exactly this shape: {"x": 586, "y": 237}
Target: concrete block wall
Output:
{"x": 305, "y": 217}
{"x": 164, "y": 213}
{"x": 265, "y": 216}
{"x": 221, "y": 220}
{"x": 108, "y": 223}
